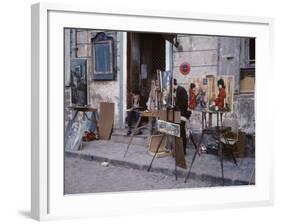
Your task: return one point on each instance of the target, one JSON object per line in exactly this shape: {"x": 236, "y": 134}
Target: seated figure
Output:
{"x": 133, "y": 114}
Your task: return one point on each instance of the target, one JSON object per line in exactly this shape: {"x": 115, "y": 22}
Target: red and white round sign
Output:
{"x": 185, "y": 68}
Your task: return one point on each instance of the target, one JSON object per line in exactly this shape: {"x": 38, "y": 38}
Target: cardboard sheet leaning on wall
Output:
{"x": 106, "y": 120}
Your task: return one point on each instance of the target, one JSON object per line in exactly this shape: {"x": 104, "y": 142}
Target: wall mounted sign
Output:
{"x": 185, "y": 68}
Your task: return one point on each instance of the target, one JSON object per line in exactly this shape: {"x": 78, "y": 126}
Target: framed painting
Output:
{"x": 84, "y": 57}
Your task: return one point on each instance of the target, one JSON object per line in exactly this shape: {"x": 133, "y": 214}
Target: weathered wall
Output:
{"x": 207, "y": 55}
{"x": 229, "y": 58}
{"x": 245, "y": 112}
{"x": 210, "y": 55}
{"x": 98, "y": 91}
{"x": 200, "y": 52}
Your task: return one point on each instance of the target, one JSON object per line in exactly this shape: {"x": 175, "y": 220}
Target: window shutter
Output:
{"x": 103, "y": 57}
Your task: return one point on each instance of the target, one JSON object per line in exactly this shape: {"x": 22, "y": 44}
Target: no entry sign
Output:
{"x": 185, "y": 68}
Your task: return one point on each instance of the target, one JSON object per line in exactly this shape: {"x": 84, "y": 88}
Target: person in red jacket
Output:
{"x": 192, "y": 96}
{"x": 220, "y": 100}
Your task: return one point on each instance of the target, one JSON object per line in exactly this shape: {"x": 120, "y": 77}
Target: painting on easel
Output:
{"x": 221, "y": 91}
{"x": 198, "y": 92}
{"x": 210, "y": 92}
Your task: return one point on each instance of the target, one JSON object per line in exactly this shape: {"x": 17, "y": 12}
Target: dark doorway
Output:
{"x": 146, "y": 54}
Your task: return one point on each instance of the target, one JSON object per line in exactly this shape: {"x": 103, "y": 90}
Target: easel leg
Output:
{"x": 192, "y": 140}
{"x": 203, "y": 120}
{"x": 75, "y": 115}
{"x": 252, "y": 176}
{"x": 133, "y": 134}
{"x": 96, "y": 124}
{"x": 194, "y": 155}
{"x": 85, "y": 115}
{"x": 155, "y": 153}
{"x": 193, "y": 159}
{"x": 175, "y": 151}
{"x": 210, "y": 120}
{"x": 231, "y": 151}
{"x": 221, "y": 155}
{"x": 233, "y": 157}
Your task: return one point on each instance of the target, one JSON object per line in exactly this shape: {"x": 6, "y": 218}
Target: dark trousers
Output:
{"x": 132, "y": 116}
{"x": 183, "y": 136}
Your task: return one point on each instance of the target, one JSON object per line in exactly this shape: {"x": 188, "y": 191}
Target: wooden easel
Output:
{"x": 178, "y": 150}
{"x": 136, "y": 129}
{"x": 154, "y": 114}
{"x": 219, "y": 132}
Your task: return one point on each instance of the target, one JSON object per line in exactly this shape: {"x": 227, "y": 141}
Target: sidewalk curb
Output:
{"x": 180, "y": 172}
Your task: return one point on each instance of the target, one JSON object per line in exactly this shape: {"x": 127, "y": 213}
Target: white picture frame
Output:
{"x": 48, "y": 201}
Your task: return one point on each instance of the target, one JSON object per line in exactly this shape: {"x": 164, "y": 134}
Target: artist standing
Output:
{"x": 181, "y": 104}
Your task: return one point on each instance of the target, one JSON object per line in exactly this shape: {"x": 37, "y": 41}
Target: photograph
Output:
{"x": 186, "y": 118}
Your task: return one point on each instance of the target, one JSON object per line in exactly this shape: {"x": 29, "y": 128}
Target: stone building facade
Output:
{"x": 78, "y": 44}
{"x": 207, "y": 55}
{"x": 218, "y": 56}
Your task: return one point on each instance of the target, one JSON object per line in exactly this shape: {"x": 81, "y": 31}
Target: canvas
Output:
{"x": 204, "y": 92}
{"x": 226, "y": 90}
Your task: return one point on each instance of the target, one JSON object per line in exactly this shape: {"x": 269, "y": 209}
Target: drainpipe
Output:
{"x": 73, "y": 43}
{"x": 169, "y": 56}
{"x": 218, "y": 56}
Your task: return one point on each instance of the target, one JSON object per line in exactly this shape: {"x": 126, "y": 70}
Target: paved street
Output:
{"x": 84, "y": 172}
{"x": 83, "y": 176}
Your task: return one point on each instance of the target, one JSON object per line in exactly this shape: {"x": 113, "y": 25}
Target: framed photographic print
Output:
{"x": 101, "y": 81}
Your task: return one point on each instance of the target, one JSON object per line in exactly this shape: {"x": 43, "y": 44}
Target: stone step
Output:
{"x": 125, "y": 140}
{"x": 123, "y": 132}
{"x": 120, "y": 136}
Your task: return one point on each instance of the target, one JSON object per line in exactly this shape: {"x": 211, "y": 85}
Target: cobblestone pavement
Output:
{"x": 206, "y": 167}
{"x": 83, "y": 176}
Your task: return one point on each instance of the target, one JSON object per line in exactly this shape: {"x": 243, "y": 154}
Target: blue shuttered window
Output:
{"x": 103, "y": 58}
{"x": 102, "y": 55}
